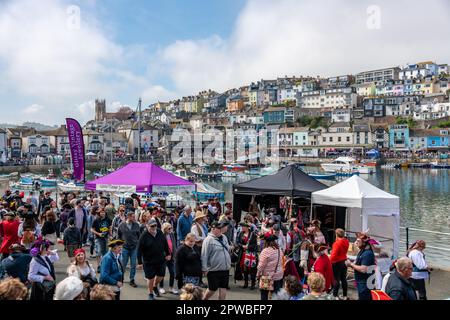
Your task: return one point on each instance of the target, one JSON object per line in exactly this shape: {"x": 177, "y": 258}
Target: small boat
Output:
{"x": 268, "y": 171}
{"x": 234, "y": 167}
{"x": 182, "y": 173}
{"x": 48, "y": 182}
{"x": 202, "y": 173}
{"x": 168, "y": 167}
{"x": 229, "y": 174}
{"x": 70, "y": 186}
{"x": 347, "y": 173}
{"x": 341, "y": 163}
{"x": 420, "y": 165}
{"x": 26, "y": 181}
{"x": 365, "y": 169}
{"x": 437, "y": 165}
{"x": 322, "y": 176}
{"x": 10, "y": 175}
{"x": 253, "y": 172}
{"x": 390, "y": 166}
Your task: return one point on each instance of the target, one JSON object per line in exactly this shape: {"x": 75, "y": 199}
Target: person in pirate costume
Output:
{"x": 111, "y": 270}
{"x": 307, "y": 251}
{"x": 41, "y": 273}
{"x": 247, "y": 264}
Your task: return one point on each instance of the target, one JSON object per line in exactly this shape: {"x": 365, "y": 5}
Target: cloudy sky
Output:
{"x": 54, "y": 62}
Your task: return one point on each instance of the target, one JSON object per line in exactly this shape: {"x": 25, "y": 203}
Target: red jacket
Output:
{"x": 323, "y": 266}
{"x": 10, "y": 236}
{"x": 339, "y": 250}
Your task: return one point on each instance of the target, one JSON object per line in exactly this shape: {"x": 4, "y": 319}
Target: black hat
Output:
{"x": 217, "y": 225}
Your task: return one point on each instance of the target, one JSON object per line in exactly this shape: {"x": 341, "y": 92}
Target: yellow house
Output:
{"x": 235, "y": 103}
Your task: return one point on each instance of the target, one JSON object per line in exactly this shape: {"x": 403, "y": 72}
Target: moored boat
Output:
{"x": 339, "y": 164}
{"x": 322, "y": 176}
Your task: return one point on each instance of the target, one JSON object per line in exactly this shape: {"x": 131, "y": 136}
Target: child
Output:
{"x": 72, "y": 238}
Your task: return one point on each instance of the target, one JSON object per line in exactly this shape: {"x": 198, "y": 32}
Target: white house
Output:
{"x": 36, "y": 144}
{"x": 338, "y": 134}
{"x": 341, "y": 115}
{"x": 93, "y": 141}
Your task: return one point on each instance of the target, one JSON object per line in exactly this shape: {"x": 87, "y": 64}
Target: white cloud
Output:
{"x": 47, "y": 60}
{"x": 157, "y": 93}
{"x": 290, "y": 37}
{"x": 33, "y": 109}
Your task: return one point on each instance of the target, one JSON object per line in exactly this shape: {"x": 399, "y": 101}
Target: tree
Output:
{"x": 400, "y": 120}
{"x": 304, "y": 121}
{"x": 411, "y": 123}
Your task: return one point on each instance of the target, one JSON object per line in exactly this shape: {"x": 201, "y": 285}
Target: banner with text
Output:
{"x": 76, "y": 142}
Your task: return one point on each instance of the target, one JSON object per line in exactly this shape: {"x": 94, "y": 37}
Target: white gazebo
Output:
{"x": 367, "y": 208}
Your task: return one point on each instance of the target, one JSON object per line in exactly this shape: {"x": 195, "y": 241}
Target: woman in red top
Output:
{"x": 338, "y": 258}
{"x": 323, "y": 266}
{"x": 10, "y": 227}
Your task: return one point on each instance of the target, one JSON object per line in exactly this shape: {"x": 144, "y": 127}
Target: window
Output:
{"x": 348, "y": 139}
{"x": 324, "y": 139}
{"x": 331, "y": 139}
{"x": 339, "y": 139}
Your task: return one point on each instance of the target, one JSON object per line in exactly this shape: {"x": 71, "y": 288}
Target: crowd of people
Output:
{"x": 200, "y": 248}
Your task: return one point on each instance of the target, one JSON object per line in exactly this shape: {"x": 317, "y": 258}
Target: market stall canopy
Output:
{"x": 288, "y": 181}
{"x": 141, "y": 177}
{"x": 369, "y": 208}
{"x": 356, "y": 192}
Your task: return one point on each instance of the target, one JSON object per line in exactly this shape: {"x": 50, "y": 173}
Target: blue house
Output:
{"x": 274, "y": 115}
{"x": 399, "y": 137}
{"x": 437, "y": 139}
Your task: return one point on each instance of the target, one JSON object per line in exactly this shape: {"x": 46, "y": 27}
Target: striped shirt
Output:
{"x": 270, "y": 260}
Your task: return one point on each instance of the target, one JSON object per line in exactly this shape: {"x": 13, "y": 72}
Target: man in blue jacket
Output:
{"x": 184, "y": 224}
{"x": 111, "y": 270}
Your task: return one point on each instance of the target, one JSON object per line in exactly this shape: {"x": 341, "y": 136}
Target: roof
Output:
{"x": 340, "y": 125}
{"x": 426, "y": 132}
{"x": 288, "y": 181}
{"x": 91, "y": 132}
{"x": 361, "y": 128}
{"x": 2, "y": 131}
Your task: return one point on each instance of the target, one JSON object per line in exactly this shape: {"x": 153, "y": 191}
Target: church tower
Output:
{"x": 100, "y": 110}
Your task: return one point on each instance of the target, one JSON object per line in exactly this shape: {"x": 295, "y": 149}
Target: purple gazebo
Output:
{"x": 142, "y": 178}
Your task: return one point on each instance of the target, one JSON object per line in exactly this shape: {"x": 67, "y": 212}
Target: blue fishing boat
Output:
{"x": 322, "y": 176}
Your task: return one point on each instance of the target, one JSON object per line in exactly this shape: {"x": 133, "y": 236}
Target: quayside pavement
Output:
{"x": 438, "y": 288}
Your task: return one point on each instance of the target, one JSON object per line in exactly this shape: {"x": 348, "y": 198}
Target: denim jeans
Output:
{"x": 363, "y": 291}
{"x": 131, "y": 255}
{"x": 171, "y": 266}
{"x": 100, "y": 246}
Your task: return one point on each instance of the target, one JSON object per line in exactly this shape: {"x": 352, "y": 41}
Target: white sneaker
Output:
{"x": 174, "y": 291}
{"x": 162, "y": 291}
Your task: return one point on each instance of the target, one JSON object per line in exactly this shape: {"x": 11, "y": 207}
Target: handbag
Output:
{"x": 266, "y": 282}
{"x": 47, "y": 286}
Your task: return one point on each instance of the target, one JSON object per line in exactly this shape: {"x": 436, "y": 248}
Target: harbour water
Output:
{"x": 424, "y": 204}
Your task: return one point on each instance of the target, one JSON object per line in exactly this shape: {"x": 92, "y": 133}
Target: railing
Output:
{"x": 424, "y": 231}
